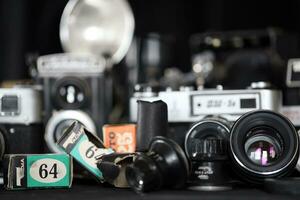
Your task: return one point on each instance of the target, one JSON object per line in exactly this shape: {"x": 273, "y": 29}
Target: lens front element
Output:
{"x": 262, "y": 150}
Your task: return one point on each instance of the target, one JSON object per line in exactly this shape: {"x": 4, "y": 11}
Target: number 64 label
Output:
{"x": 48, "y": 170}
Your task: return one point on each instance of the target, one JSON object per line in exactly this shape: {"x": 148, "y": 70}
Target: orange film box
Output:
{"x": 121, "y": 138}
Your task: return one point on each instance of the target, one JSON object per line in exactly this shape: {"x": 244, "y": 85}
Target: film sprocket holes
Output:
{"x": 188, "y": 105}
{"x": 21, "y": 119}
{"x": 37, "y": 171}
{"x": 75, "y": 88}
{"x": 121, "y": 138}
{"x": 84, "y": 147}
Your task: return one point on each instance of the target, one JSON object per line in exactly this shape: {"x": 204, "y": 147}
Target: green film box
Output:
{"x": 31, "y": 171}
{"x": 84, "y": 147}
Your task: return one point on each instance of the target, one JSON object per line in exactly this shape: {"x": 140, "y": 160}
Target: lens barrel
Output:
{"x": 263, "y": 144}
{"x": 207, "y": 128}
{"x": 206, "y": 147}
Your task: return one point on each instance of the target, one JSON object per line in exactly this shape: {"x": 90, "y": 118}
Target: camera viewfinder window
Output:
{"x": 248, "y": 103}
{"x": 296, "y": 72}
{"x": 9, "y": 104}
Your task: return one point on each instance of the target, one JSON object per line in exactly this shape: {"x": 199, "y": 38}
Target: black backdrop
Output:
{"x": 32, "y": 25}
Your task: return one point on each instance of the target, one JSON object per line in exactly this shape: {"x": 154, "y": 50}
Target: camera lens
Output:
{"x": 164, "y": 165}
{"x": 263, "y": 149}
{"x": 263, "y": 144}
{"x": 205, "y": 129}
{"x": 206, "y": 146}
{"x": 70, "y": 93}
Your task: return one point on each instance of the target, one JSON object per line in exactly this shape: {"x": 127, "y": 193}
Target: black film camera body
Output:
{"x": 75, "y": 88}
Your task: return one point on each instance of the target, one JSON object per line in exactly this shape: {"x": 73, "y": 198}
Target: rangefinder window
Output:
{"x": 248, "y": 103}
{"x": 10, "y": 105}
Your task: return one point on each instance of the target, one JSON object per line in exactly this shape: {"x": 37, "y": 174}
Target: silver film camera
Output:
{"x": 21, "y": 126}
{"x": 189, "y": 105}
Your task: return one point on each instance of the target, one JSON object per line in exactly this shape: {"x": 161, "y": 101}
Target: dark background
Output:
{"x": 32, "y": 26}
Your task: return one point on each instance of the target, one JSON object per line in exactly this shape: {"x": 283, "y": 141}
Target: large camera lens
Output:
{"x": 206, "y": 147}
{"x": 263, "y": 144}
{"x": 164, "y": 165}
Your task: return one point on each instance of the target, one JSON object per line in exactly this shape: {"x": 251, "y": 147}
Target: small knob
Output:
{"x": 144, "y": 91}
{"x": 169, "y": 89}
{"x": 219, "y": 87}
{"x": 186, "y": 88}
{"x": 260, "y": 85}
{"x": 138, "y": 88}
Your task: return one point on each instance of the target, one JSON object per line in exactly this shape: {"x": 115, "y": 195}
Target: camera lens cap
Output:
{"x": 175, "y": 159}
{"x": 290, "y": 185}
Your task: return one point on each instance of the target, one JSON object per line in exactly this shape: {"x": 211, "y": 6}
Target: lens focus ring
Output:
{"x": 208, "y": 148}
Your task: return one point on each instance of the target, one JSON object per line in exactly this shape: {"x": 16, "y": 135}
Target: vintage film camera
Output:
{"x": 75, "y": 88}
{"x": 76, "y": 85}
{"x": 237, "y": 58}
{"x": 21, "y": 127}
{"x": 188, "y": 105}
